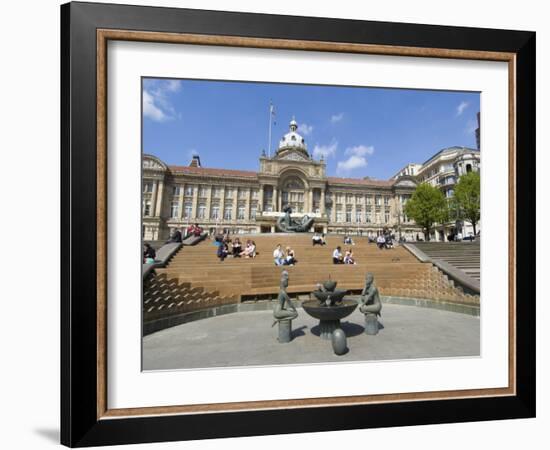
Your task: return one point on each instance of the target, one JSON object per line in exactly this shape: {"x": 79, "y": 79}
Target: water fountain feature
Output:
{"x": 330, "y": 307}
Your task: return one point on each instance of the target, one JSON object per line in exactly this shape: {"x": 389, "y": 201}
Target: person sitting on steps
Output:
{"x": 337, "y": 257}
{"x": 290, "y": 259}
{"x": 278, "y": 255}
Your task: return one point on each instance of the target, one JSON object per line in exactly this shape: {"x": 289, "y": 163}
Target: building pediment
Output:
{"x": 293, "y": 155}
{"x": 405, "y": 182}
{"x": 151, "y": 162}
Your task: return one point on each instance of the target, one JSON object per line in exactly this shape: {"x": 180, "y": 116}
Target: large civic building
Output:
{"x": 443, "y": 170}
{"x": 241, "y": 201}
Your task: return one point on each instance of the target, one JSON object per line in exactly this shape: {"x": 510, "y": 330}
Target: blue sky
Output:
{"x": 360, "y": 131}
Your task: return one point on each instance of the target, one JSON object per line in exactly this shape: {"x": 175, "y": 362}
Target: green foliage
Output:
{"x": 426, "y": 207}
{"x": 467, "y": 198}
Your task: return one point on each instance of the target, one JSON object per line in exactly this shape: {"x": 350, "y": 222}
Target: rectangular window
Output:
{"x": 253, "y": 212}
{"x": 187, "y": 210}
{"x": 358, "y": 216}
{"x": 378, "y": 200}
{"x": 189, "y": 190}
{"x": 215, "y": 212}
{"x": 228, "y": 212}
{"x": 387, "y": 216}
{"x": 203, "y": 191}
{"x": 368, "y": 199}
{"x": 240, "y": 212}
{"x": 386, "y": 201}
{"x": 348, "y": 214}
{"x": 174, "y": 209}
{"x": 176, "y": 190}
{"x": 216, "y": 192}
{"x": 242, "y": 193}
{"x": 255, "y": 194}
{"x": 368, "y": 217}
{"x": 228, "y": 193}
{"x": 202, "y": 211}
{"x": 147, "y": 207}
{"x": 147, "y": 187}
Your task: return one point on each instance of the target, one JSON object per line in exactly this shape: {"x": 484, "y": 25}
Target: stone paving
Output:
{"x": 247, "y": 339}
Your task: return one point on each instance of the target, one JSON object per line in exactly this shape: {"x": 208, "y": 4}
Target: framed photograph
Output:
{"x": 277, "y": 224}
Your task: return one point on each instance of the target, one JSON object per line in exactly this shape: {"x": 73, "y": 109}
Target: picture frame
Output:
{"x": 86, "y": 418}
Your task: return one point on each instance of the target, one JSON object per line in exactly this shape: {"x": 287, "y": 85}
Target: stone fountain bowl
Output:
{"x": 335, "y": 312}
{"x": 329, "y": 285}
{"x": 336, "y": 295}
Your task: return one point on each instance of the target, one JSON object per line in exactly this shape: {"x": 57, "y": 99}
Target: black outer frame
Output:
{"x": 79, "y": 423}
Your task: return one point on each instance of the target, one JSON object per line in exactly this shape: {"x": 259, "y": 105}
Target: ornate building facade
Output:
{"x": 250, "y": 202}
{"x": 443, "y": 170}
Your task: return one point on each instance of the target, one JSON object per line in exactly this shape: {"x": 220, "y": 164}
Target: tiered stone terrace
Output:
{"x": 195, "y": 278}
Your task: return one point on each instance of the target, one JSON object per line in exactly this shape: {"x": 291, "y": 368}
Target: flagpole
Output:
{"x": 269, "y": 137}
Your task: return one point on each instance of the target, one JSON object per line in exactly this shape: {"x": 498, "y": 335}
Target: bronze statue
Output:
{"x": 288, "y": 224}
{"x": 370, "y": 298}
{"x": 284, "y": 310}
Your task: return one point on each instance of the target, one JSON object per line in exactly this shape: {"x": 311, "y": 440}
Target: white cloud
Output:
{"x": 336, "y": 117}
{"x": 151, "y": 110}
{"x": 305, "y": 129}
{"x": 325, "y": 151}
{"x": 352, "y": 163}
{"x": 357, "y": 159}
{"x": 461, "y": 107}
{"x": 157, "y": 105}
{"x": 173, "y": 85}
{"x": 360, "y": 150}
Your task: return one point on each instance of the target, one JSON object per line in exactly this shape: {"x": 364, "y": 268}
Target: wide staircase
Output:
{"x": 461, "y": 255}
{"x": 196, "y": 279}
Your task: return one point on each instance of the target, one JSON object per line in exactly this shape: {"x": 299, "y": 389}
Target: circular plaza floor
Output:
{"x": 247, "y": 339}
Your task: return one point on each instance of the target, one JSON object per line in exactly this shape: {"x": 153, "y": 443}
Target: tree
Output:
{"x": 467, "y": 196}
{"x": 426, "y": 207}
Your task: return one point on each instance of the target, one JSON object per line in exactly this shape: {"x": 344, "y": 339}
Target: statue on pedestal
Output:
{"x": 370, "y": 305}
{"x": 370, "y": 298}
{"x": 284, "y": 311}
{"x": 287, "y": 224}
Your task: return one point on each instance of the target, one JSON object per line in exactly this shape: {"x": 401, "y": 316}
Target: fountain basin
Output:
{"x": 329, "y": 316}
{"x": 336, "y": 296}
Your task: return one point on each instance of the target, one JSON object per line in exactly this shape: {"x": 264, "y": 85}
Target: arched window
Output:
{"x": 293, "y": 193}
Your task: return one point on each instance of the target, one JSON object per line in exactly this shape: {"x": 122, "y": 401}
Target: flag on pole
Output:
{"x": 272, "y": 111}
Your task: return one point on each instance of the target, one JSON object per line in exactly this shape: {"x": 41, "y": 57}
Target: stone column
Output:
{"x": 235, "y": 204}
{"x": 248, "y": 204}
{"x": 180, "y": 202}
{"x": 194, "y": 202}
{"x": 274, "y": 199}
{"x": 153, "y": 207}
{"x": 322, "y": 202}
{"x": 310, "y": 200}
{"x": 208, "y": 202}
{"x": 261, "y": 198}
{"x": 222, "y": 204}
{"x": 158, "y": 207}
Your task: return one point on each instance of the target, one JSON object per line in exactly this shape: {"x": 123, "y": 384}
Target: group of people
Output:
{"x": 384, "y": 241}
{"x": 192, "y": 230}
{"x": 284, "y": 258}
{"x": 318, "y": 239}
{"x": 342, "y": 258}
{"x": 234, "y": 248}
